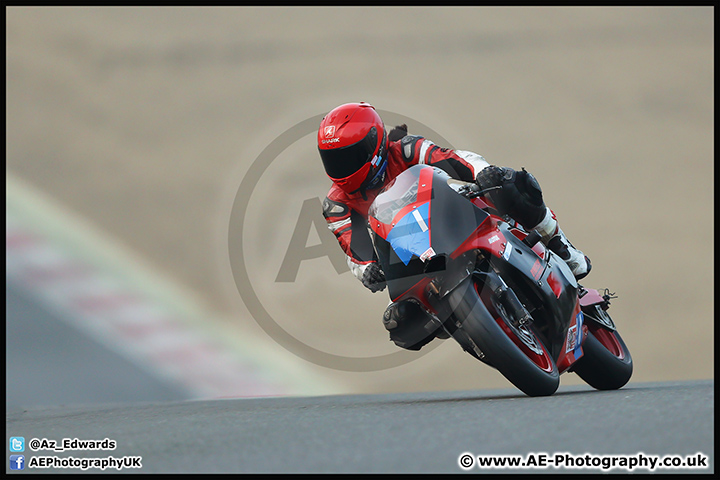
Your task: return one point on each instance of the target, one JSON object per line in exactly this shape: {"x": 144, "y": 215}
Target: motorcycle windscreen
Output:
{"x": 400, "y": 193}
{"x": 453, "y": 218}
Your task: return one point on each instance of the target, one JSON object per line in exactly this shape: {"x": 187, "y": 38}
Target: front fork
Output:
{"x": 506, "y": 298}
{"x": 458, "y": 271}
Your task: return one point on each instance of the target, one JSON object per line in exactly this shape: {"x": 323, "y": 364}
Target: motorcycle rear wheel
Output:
{"x": 520, "y": 357}
{"x": 606, "y": 363}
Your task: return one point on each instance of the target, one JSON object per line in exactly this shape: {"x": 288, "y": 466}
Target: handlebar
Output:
{"x": 472, "y": 190}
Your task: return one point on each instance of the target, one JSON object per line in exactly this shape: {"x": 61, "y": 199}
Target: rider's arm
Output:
{"x": 459, "y": 164}
{"x": 349, "y": 228}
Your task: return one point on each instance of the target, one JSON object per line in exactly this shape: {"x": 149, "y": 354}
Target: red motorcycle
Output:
{"x": 494, "y": 287}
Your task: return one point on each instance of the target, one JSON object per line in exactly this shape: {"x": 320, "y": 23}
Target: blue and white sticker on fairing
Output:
{"x": 411, "y": 234}
{"x": 574, "y": 336}
{"x": 506, "y": 253}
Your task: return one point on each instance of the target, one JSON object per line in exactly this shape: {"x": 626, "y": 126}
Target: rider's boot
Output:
{"x": 554, "y": 238}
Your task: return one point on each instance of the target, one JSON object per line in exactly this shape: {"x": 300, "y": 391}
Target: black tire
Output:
{"x": 501, "y": 347}
{"x": 606, "y": 363}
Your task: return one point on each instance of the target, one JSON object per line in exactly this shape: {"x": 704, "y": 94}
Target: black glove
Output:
{"x": 374, "y": 278}
{"x": 496, "y": 182}
{"x": 492, "y": 176}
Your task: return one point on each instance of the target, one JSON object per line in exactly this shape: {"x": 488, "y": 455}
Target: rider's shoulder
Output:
{"x": 337, "y": 194}
{"x": 408, "y": 145}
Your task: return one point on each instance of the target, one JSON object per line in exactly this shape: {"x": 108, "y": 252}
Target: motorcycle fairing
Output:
{"x": 416, "y": 218}
{"x": 572, "y": 347}
{"x": 419, "y": 218}
{"x": 549, "y": 280}
{"x": 411, "y": 234}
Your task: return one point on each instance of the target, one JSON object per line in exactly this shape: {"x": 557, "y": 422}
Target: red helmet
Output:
{"x": 351, "y": 141}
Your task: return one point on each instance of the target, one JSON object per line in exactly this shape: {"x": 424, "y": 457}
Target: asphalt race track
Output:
{"x": 65, "y": 366}
{"x": 393, "y": 433}
{"x": 70, "y": 386}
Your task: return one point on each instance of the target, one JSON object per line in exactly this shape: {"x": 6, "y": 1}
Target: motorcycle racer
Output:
{"x": 361, "y": 157}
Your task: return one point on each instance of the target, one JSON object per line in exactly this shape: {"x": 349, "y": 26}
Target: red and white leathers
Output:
{"x": 346, "y": 213}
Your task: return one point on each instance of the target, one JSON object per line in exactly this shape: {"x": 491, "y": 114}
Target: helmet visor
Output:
{"x": 343, "y": 162}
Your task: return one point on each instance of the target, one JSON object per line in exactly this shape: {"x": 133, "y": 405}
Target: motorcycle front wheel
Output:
{"x": 516, "y": 352}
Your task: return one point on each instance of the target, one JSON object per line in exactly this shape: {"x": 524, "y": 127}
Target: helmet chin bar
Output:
{"x": 376, "y": 181}
{"x": 382, "y": 159}
{"x": 379, "y": 177}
